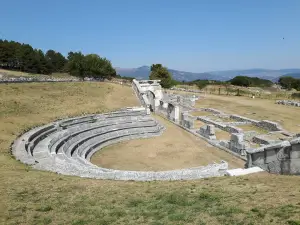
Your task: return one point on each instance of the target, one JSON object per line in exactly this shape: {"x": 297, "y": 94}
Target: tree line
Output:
{"x": 23, "y": 57}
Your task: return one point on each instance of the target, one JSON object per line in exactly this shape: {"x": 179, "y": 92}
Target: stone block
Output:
{"x": 258, "y": 158}
{"x": 296, "y": 140}
{"x": 208, "y": 132}
{"x": 274, "y": 167}
{"x": 237, "y": 137}
{"x": 285, "y": 167}
{"x": 270, "y": 155}
{"x": 295, "y": 152}
{"x": 224, "y": 143}
{"x": 211, "y": 129}
{"x": 295, "y": 166}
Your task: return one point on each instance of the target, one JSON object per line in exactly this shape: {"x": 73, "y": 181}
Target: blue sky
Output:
{"x": 189, "y": 35}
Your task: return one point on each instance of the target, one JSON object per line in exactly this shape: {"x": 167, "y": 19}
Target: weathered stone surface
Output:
{"x": 208, "y": 131}
{"x": 237, "y": 143}
{"x": 220, "y": 125}
{"x": 288, "y": 102}
{"x": 241, "y": 172}
{"x": 259, "y": 139}
{"x": 269, "y": 125}
{"x": 68, "y": 151}
{"x": 149, "y": 92}
{"x": 280, "y": 158}
{"x": 243, "y": 119}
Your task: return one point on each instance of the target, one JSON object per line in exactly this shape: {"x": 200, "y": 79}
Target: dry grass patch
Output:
{"x": 222, "y": 135}
{"x": 200, "y": 113}
{"x": 198, "y": 124}
{"x": 253, "y": 128}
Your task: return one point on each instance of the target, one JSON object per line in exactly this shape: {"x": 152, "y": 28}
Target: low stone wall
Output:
{"x": 215, "y": 111}
{"x": 279, "y": 158}
{"x": 41, "y": 78}
{"x": 235, "y": 123}
{"x": 288, "y": 102}
{"x": 260, "y": 140}
{"x": 208, "y": 131}
{"x": 264, "y": 124}
{"x": 233, "y": 129}
{"x": 227, "y": 128}
{"x": 187, "y": 90}
{"x": 209, "y": 121}
{"x": 269, "y": 125}
{"x": 244, "y": 119}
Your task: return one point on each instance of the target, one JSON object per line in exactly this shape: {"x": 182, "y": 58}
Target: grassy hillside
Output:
{"x": 34, "y": 197}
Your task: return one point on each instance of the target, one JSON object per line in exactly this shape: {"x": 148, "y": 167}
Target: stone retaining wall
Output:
{"x": 279, "y": 158}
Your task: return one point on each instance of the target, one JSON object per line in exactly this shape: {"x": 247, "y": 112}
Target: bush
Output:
{"x": 296, "y": 95}
{"x": 289, "y": 83}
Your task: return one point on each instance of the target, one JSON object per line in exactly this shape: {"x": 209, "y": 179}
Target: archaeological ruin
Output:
{"x": 66, "y": 146}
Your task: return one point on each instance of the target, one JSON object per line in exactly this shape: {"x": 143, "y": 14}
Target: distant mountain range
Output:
{"x": 273, "y": 75}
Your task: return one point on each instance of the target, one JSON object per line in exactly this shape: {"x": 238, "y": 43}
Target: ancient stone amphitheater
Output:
{"x": 66, "y": 146}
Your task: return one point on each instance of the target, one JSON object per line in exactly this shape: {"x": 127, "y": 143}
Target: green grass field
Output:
{"x": 29, "y": 196}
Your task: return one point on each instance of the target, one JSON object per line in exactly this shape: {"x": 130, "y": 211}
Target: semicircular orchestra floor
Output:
{"x": 174, "y": 149}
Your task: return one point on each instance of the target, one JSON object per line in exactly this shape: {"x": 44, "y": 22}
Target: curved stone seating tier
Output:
{"x": 66, "y": 124}
{"x": 101, "y": 133}
{"x": 66, "y": 146}
{"x": 57, "y": 142}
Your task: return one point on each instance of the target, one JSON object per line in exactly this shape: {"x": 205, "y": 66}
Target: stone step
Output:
{"x": 75, "y": 141}
{"x": 58, "y": 142}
